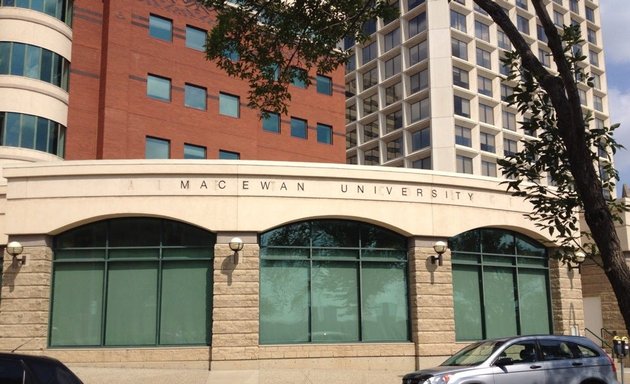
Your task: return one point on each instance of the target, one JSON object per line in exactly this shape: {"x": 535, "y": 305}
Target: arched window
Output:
{"x": 132, "y": 282}
{"x": 333, "y": 281}
{"x": 500, "y": 285}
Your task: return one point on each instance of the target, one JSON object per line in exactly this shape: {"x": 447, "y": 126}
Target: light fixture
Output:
{"x": 578, "y": 258}
{"x": 236, "y": 244}
{"x": 14, "y": 249}
{"x": 439, "y": 247}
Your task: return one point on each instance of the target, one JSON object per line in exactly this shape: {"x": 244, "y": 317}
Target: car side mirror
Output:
{"x": 503, "y": 361}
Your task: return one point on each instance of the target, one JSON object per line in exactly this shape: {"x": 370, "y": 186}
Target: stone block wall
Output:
{"x": 566, "y": 299}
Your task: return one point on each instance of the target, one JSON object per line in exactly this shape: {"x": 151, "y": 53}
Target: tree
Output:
{"x": 273, "y": 37}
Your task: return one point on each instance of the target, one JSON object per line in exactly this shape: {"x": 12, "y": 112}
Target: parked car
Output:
{"x": 544, "y": 359}
{"x": 28, "y": 369}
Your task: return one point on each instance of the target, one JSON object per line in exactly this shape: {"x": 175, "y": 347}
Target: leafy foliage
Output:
{"x": 271, "y": 43}
{"x": 541, "y": 172}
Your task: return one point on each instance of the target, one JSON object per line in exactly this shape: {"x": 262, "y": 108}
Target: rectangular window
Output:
{"x": 196, "y": 38}
{"x": 593, "y": 58}
{"x": 590, "y": 14}
{"x": 420, "y": 110}
{"x": 160, "y": 28}
{"x": 544, "y": 57}
{"x": 484, "y": 85}
{"x": 393, "y": 93}
{"x": 371, "y": 157}
{"x": 462, "y": 106}
{"x": 540, "y": 33}
{"x": 598, "y": 103}
{"x": 591, "y": 35}
{"x": 370, "y": 131}
{"x": 503, "y": 41}
{"x": 486, "y": 142}
{"x": 299, "y": 128}
{"x": 194, "y": 152}
{"x": 509, "y": 147}
{"x": 369, "y": 52}
{"x": 488, "y": 168}
{"x": 370, "y": 78}
{"x": 483, "y": 58}
{"x": 460, "y": 77}
{"x": 419, "y": 81}
{"x": 392, "y": 39}
{"x": 417, "y": 53}
{"x": 195, "y": 97}
{"x": 324, "y": 85}
{"x": 324, "y": 134}
{"x": 370, "y": 104}
{"x": 558, "y": 18}
{"x": 574, "y": 6}
{"x": 394, "y": 149}
{"x": 522, "y": 24}
{"x": 482, "y": 31}
{"x": 229, "y": 155}
{"x": 351, "y": 64}
{"x": 463, "y": 136}
{"x": 582, "y": 95}
{"x": 393, "y": 121}
{"x": 159, "y": 87}
{"x": 157, "y": 148}
{"x": 271, "y": 122}
{"x": 459, "y": 49}
{"x": 229, "y": 105}
{"x": 506, "y": 92}
{"x": 298, "y": 77}
{"x": 417, "y": 24}
{"x": 411, "y": 4}
{"x": 458, "y": 21}
{"x": 464, "y": 164}
{"x": 420, "y": 139}
{"x": 486, "y": 114}
{"x": 422, "y": 163}
{"x": 521, "y": 4}
{"x": 509, "y": 120}
{"x": 392, "y": 66}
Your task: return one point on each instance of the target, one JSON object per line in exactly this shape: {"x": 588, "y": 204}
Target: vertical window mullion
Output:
{"x": 158, "y": 304}
{"x": 105, "y": 284}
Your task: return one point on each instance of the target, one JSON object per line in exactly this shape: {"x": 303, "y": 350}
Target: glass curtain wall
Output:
{"x": 500, "y": 285}
{"x": 132, "y": 282}
{"x": 333, "y": 281}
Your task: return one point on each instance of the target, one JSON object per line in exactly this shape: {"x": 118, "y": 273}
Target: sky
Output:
{"x": 615, "y": 19}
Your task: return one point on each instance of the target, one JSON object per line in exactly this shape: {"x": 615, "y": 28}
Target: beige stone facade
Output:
{"x": 245, "y": 199}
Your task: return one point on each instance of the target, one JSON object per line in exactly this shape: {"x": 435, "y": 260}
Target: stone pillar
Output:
{"x": 567, "y": 305}
{"x": 235, "y": 310}
{"x": 25, "y": 296}
{"x": 431, "y": 301}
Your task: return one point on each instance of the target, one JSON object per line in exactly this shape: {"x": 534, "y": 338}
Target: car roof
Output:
{"x": 21, "y": 356}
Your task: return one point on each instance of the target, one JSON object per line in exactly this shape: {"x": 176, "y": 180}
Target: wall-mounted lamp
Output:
{"x": 439, "y": 247}
{"x": 14, "y": 249}
{"x": 578, "y": 258}
{"x": 236, "y": 244}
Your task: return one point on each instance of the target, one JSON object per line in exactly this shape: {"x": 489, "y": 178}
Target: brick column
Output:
{"x": 567, "y": 305}
{"x": 235, "y": 310}
{"x": 25, "y": 296}
{"x": 431, "y": 301}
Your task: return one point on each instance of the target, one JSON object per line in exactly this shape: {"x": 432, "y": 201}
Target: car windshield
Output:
{"x": 473, "y": 354}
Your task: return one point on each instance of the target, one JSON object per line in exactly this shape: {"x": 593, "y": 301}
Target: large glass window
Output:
{"x": 60, "y": 9}
{"x": 332, "y": 281}
{"x": 132, "y": 281}
{"x": 34, "y": 132}
{"x": 159, "y": 87}
{"x": 500, "y": 285}
{"x": 32, "y": 61}
{"x": 417, "y": 24}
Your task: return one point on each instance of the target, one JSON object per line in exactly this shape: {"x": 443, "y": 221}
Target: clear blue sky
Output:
{"x": 615, "y": 16}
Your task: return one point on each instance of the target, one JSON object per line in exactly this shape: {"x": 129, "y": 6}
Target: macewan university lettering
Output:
{"x": 327, "y": 189}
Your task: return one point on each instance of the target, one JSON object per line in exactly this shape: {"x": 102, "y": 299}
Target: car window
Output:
{"x": 52, "y": 373}
{"x": 521, "y": 352}
{"x": 11, "y": 372}
{"x": 474, "y": 354}
{"x": 584, "y": 351}
{"x": 556, "y": 350}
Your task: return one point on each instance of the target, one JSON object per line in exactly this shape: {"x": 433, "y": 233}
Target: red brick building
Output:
{"x": 120, "y": 46}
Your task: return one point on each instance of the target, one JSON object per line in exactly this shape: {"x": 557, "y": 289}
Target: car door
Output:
{"x": 559, "y": 363}
{"x": 523, "y": 364}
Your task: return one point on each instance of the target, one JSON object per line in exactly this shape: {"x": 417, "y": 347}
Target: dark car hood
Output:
{"x": 430, "y": 372}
